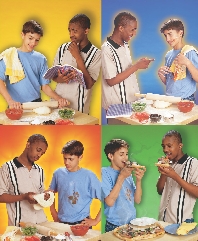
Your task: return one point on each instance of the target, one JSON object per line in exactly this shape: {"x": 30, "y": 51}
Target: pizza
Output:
{"x": 163, "y": 162}
{"x": 129, "y": 232}
{"x": 134, "y": 164}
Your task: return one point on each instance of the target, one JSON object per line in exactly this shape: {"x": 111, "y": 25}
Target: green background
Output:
{"x": 145, "y": 147}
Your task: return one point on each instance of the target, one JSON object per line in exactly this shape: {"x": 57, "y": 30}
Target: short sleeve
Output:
{"x": 109, "y": 70}
{"x": 2, "y": 70}
{"x": 53, "y": 184}
{"x": 95, "y": 189}
{"x": 107, "y": 184}
{"x": 193, "y": 57}
{"x": 194, "y": 172}
{"x": 94, "y": 67}
{"x": 43, "y": 70}
{"x": 4, "y": 184}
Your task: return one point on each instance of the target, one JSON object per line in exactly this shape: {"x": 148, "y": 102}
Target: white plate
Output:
{"x": 143, "y": 221}
{"x": 172, "y": 229}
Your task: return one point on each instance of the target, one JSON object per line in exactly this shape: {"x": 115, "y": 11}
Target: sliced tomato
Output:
{"x": 64, "y": 122}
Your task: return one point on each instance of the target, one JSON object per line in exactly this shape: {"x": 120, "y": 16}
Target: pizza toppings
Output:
{"x": 130, "y": 232}
{"x": 133, "y": 164}
{"x": 163, "y": 162}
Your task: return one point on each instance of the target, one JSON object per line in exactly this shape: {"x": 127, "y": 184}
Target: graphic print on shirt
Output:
{"x": 128, "y": 193}
{"x": 73, "y": 195}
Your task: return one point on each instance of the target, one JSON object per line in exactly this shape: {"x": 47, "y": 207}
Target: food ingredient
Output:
{"x": 49, "y": 122}
{"x": 160, "y": 104}
{"x": 64, "y": 122}
{"x": 66, "y": 113}
{"x": 43, "y": 110}
{"x": 28, "y": 231}
{"x": 138, "y": 106}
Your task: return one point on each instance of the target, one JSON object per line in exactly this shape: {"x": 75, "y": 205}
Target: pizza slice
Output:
{"x": 134, "y": 164}
{"x": 130, "y": 232}
{"x": 163, "y": 162}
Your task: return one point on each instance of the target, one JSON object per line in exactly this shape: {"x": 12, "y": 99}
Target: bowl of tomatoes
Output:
{"x": 14, "y": 114}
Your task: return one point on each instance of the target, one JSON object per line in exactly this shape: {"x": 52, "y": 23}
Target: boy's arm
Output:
{"x": 8, "y": 198}
{"x": 140, "y": 64}
{"x": 7, "y": 97}
{"x": 188, "y": 187}
{"x": 139, "y": 173}
{"x": 160, "y": 184}
{"x": 52, "y": 94}
{"x": 111, "y": 198}
{"x": 75, "y": 52}
{"x": 54, "y": 213}
{"x": 92, "y": 222}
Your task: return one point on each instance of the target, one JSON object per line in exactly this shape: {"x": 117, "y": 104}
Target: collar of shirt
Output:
{"x": 114, "y": 44}
{"x": 18, "y": 164}
{"x": 182, "y": 159}
{"x": 86, "y": 48}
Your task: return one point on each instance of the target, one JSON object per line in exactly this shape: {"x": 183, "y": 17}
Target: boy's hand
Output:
{"x": 139, "y": 173}
{"x": 163, "y": 71}
{"x": 167, "y": 171}
{"x": 29, "y": 197}
{"x": 181, "y": 60}
{"x": 65, "y": 77}
{"x": 89, "y": 222}
{"x": 14, "y": 105}
{"x": 126, "y": 172}
{"x": 74, "y": 50}
{"x": 143, "y": 63}
{"x": 62, "y": 102}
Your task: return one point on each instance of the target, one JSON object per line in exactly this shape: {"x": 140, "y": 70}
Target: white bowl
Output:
{"x": 143, "y": 221}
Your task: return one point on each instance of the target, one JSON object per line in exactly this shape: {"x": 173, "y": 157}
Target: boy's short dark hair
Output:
{"x": 73, "y": 147}
{"x": 175, "y": 24}
{"x": 37, "y": 137}
{"x": 174, "y": 133}
{"x": 82, "y": 19}
{"x": 114, "y": 145}
{"x": 32, "y": 27}
{"x": 123, "y": 18}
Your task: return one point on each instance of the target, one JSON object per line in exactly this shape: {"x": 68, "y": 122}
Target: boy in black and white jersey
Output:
{"x": 178, "y": 184}
{"x": 81, "y": 54}
{"x": 118, "y": 72}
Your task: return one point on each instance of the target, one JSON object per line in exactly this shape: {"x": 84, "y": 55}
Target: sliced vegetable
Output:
{"x": 28, "y": 231}
{"x": 66, "y": 113}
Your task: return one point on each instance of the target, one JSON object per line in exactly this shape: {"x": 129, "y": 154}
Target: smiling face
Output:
{"x": 30, "y": 41}
{"x": 71, "y": 162}
{"x": 119, "y": 158}
{"x": 128, "y": 31}
{"x": 35, "y": 150}
{"x": 172, "y": 148}
{"x": 174, "y": 38}
{"x": 77, "y": 33}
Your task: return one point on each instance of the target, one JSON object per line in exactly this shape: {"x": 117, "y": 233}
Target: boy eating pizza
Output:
{"x": 119, "y": 190}
{"x": 178, "y": 183}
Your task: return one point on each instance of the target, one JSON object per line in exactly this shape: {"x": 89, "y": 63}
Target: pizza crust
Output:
{"x": 42, "y": 203}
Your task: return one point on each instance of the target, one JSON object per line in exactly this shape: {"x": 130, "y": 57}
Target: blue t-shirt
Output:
{"x": 185, "y": 87}
{"x": 28, "y": 89}
{"x": 123, "y": 210}
{"x": 75, "y": 193}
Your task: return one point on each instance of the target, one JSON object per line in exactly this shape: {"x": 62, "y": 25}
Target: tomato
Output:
{"x": 64, "y": 122}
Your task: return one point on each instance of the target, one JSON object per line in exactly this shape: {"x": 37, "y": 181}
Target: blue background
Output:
{"x": 149, "y": 42}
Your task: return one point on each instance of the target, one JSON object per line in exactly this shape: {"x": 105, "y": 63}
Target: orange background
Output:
{"x": 14, "y": 138}
{"x": 53, "y": 17}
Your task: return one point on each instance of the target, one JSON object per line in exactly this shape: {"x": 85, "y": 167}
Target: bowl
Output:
{"x": 155, "y": 118}
{"x": 185, "y": 106}
{"x": 142, "y": 117}
{"x": 79, "y": 230}
{"x": 14, "y": 114}
{"x": 138, "y": 106}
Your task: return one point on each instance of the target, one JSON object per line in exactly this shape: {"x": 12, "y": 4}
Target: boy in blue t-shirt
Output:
{"x": 76, "y": 188}
{"x": 27, "y": 67}
{"x": 180, "y": 73}
{"x": 118, "y": 188}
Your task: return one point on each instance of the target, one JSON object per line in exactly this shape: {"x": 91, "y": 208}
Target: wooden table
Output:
{"x": 180, "y": 118}
{"x": 61, "y": 228}
{"x": 166, "y": 237}
{"x": 29, "y": 116}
